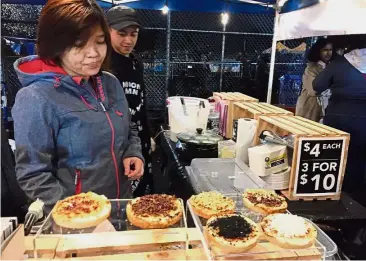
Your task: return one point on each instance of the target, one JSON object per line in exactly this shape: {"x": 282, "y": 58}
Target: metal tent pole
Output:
{"x": 273, "y": 58}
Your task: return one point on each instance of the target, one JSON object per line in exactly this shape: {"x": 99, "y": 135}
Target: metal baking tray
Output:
{"x": 323, "y": 246}
{"x": 115, "y": 235}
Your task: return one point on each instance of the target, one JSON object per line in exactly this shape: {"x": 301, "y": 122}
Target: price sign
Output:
{"x": 319, "y": 166}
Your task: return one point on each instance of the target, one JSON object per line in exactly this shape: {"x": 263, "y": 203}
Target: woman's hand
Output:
{"x": 134, "y": 168}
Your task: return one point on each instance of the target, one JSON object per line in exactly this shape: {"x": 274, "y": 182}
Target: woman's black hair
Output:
{"x": 314, "y": 52}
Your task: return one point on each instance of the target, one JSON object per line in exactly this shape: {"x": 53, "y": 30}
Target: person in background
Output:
{"x": 71, "y": 120}
{"x": 310, "y": 104}
{"x": 14, "y": 202}
{"x": 128, "y": 68}
{"x": 261, "y": 78}
{"x": 346, "y": 78}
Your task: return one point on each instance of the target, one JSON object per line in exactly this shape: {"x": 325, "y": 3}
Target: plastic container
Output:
{"x": 213, "y": 123}
{"x": 231, "y": 177}
{"x": 191, "y": 115}
{"x": 290, "y": 89}
{"x": 115, "y": 235}
{"x": 263, "y": 250}
{"x": 227, "y": 149}
{"x": 223, "y": 175}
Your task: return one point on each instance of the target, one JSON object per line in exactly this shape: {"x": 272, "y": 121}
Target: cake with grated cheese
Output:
{"x": 208, "y": 204}
{"x": 288, "y": 231}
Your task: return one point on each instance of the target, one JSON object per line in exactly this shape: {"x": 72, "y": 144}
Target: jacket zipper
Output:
{"x": 86, "y": 103}
{"x": 112, "y": 129}
{"x": 77, "y": 182}
{"x": 112, "y": 146}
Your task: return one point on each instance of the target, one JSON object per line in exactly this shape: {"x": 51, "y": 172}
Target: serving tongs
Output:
{"x": 184, "y": 106}
{"x": 271, "y": 137}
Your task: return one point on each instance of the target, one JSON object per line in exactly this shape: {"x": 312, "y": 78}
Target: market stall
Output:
{"x": 218, "y": 222}
{"x": 118, "y": 235}
{"x": 173, "y": 227}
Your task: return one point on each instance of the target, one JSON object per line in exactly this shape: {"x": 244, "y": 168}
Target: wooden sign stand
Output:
{"x": 319, "y": 156}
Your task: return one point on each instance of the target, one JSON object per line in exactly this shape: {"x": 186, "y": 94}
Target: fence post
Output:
{"x": 167, "y": 75}
{"x": 222, "y": 56}
{"x": 273, "y": 58}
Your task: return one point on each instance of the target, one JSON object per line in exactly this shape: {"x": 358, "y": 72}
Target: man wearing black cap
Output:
{"x": 127, "y": 67}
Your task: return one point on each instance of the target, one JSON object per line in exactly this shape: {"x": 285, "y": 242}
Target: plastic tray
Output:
{"x": 116, "y": 234}
{"x": 260, "y": 251}
{"x": 223, "y": 175}
{"x": 244, "y": 178}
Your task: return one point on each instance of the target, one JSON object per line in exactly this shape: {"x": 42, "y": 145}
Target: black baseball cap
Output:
{"x": 120, "y": 17}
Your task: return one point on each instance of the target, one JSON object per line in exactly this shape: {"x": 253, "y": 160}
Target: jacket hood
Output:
{"x": 30, "y": 69}
{"x": 358, "y": 59}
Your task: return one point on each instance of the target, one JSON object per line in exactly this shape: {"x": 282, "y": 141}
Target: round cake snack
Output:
{"x": 81, "y": 211}
{"x": 264, "y": 201}
{"x": 209, "y": 204}
{"x": 232, "y": 233}
{"x": 154, "y": 211}
{"x": 288, "y": 231}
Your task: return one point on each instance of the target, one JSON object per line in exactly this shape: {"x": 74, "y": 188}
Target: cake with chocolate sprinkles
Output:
{"x": 264, "y": 201}
{"x": 232, "y": 227}
{"x": 154, "y": 211}
{"x": 232, "y": 233}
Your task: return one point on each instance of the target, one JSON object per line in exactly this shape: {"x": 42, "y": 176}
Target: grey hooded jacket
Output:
{"x": 71, "y": 137}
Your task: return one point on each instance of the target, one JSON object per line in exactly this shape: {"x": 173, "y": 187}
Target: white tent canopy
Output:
{"x": 328, "y": 17}
{"x": 331, "y": 17}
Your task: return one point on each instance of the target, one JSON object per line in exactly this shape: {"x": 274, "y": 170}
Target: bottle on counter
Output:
{"x": 213, "y": 122}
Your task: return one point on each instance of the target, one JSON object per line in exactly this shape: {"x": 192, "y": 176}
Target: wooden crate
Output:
{"x": 306, "y": 131}
{"x": 253, "y": 110}
{"x": 231, "y": 98}
{"x": 124, "y": 245}
{"x": 13, "y": 247}
{"x": 148, "y": 246}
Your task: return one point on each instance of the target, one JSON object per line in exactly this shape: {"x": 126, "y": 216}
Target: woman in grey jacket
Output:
{"x": 309, "y": 104}
{"x": 72, "y": 123}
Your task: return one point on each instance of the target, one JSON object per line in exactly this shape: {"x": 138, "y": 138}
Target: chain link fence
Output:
{"x": 290, "y": 64}
{"x": 152, "y": 49}
{"x": 204, "y": 57}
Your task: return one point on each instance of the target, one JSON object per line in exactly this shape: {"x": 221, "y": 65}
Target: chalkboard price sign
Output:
{"x": 319, "y": 166}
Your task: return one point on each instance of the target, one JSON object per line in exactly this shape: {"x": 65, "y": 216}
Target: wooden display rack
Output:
{"x": 253, "y": 110}
{"x": 302, "y": 128}
{"x": 144, "y": 245}
{"x": 124, "y": 245}
{"x": 231, "y": 98}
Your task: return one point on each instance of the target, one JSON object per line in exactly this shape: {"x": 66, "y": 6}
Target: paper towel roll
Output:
{"x": 244, "y": 138}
